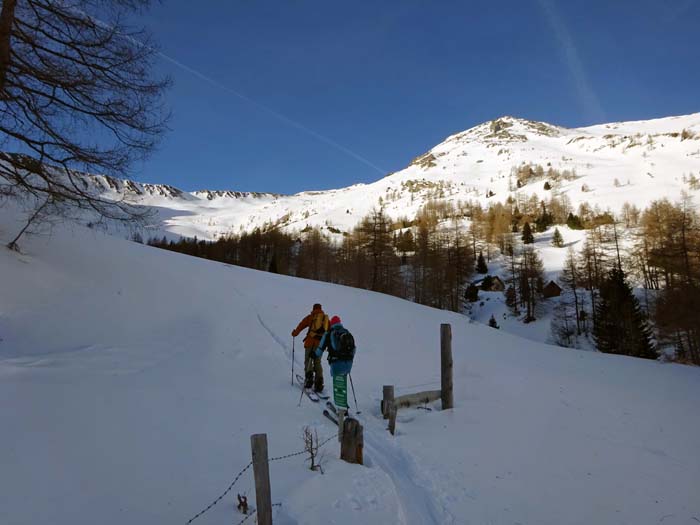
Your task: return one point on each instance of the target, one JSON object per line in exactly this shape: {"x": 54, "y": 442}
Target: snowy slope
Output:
{"x": 649, "y": 159}
{"x": 493, "y": 303}
{"x": 132, "y": 378}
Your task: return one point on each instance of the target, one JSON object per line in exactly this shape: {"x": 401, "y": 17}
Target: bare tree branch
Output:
{"x": 78, "y": 94}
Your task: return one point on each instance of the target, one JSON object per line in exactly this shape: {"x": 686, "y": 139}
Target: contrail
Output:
{"x": 588, "y": 97}
{"x": 263, "y": 107}
{"x": 271, "y": 111}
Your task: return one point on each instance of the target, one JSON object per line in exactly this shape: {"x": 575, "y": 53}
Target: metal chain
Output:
{"x": 301, "y": 451}
{"x": 278, "y": 458}
{"x": 248, "y": 516}
{"x": 217, "y": 500}
{"x": 285, "y": 457}
{"x": 254, "y": 511}
{"x": 334, "y": 436}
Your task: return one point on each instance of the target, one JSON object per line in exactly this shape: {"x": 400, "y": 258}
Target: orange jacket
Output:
{"x": 311, "y": 340}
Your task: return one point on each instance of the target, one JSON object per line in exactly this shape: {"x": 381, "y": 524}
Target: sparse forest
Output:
{"x": 434, "y": 258}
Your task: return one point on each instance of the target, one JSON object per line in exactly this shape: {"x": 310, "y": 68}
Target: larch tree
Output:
{"x": 530, "y": 279}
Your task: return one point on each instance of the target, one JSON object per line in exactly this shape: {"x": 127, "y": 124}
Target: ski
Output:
{"x": 309, "y": 393}
{"x": 329, "y": 416}
{"x": 320, "y": 395}
{"x": 334, "y": 410}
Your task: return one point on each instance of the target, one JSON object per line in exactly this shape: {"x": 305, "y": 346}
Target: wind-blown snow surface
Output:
{"x": 649, "y": 160}
{"x": 132, "y": 378}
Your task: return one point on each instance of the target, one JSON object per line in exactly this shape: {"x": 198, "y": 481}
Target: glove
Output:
{"x": 318, "y": 352}
{"x": 293, "y": 334}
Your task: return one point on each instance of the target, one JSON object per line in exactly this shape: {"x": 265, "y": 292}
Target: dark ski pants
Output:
{"x": 313, "y": 368}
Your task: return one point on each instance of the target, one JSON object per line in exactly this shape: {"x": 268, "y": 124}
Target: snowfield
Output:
{"x": 635, "y": 162}
{"x": 131, "y": 380}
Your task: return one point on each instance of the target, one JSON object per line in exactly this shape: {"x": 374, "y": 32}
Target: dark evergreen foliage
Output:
{"x": 544, "y": 220}
{"x": 574, "y": 222}
{"x": 472, "y": 293}
{"x": 620, "y": 326}
{"x": 527, "y": 236}
{"x": 557, "y": 239}
{"x": 273, "y": 264}
{"x": 481, "y": 264}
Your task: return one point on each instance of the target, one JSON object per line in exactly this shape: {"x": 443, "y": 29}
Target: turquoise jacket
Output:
{"x": 338, "y": 368}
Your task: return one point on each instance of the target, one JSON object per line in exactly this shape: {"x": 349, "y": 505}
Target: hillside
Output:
{"x": 605, "y": 165}
{"x": 131, "y": 379}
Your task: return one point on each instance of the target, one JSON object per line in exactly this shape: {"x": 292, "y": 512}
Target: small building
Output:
{"x": 492, "y": 283}
{"x": 552, "y": 289}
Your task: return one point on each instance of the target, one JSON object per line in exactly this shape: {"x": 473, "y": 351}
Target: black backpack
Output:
{"x": 345, "y": 346}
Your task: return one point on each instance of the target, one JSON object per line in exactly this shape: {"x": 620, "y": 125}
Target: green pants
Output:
{"x": 313, "y": 368}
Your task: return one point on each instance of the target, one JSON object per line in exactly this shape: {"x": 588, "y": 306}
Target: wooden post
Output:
{"x": 446, "y": 366}
{"x": 261, "y": 472}
{"x": 392, "y": 417}
{"x": 341, "y": 419}
{"x": 388, "y": 395}
{"x": 353, "y": 441}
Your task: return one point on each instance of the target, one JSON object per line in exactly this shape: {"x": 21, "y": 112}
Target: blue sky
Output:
{"x": 335, "y": 93}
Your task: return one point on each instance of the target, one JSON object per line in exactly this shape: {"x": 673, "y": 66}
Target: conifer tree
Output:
{"x": 574, "y": 222}
{"x": 527, "y": 236}
{"x": 557, "y": 239}
{"x": 471, "y": 294}
{"x": 512, "y": 299}
{"x": 620, "y": 326}
{"x": 273, "y": 264}
{"x": 481, "y": 264}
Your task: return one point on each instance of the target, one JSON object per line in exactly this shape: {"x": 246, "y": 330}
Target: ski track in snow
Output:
{"x": 417, "y": 503}
{"x": 277, "y": 339}
{"x": 89, "y": 308}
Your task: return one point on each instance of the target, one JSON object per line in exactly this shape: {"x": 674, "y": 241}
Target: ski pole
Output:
{"x": 293, "y": 339}
{"x": 301, "y": 396}
{"x": 357, "y": 409}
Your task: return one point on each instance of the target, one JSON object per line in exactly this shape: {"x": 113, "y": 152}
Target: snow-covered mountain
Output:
{"x": 131, "y": 379}
{"x": 605, "y": 165}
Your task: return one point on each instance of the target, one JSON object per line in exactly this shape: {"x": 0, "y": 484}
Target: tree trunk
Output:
{"x": 7, "y": 17}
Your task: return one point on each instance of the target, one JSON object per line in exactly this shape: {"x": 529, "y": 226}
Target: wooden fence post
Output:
{"x": 341, "y": 419}
{"x": 261, "y": 472}
{"x": 387, "y": 396}
{"x": 446, "y": 366}
{"x": 353, "y": 441}
{"x": 391, "y": 409}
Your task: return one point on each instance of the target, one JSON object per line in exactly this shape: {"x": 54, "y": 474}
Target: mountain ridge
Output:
{"x": 604, "y": 165}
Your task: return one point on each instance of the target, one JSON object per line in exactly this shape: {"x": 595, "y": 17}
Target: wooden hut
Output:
{"x": 492, "y": 283}
{"x": 552, "y": 289}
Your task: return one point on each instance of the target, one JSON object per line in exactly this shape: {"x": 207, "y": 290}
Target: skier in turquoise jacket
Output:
{"x": 341, "y": 351}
